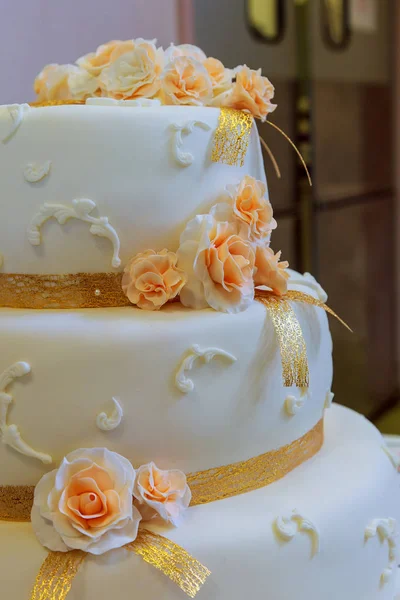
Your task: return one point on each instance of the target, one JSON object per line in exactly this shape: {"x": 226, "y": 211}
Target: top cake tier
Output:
{"x": 138, "y": 174}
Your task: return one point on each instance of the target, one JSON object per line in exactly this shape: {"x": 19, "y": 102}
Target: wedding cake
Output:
{"x": 165, "y": 378}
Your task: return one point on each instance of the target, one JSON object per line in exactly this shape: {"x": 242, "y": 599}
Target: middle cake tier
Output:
{"x": 187, "y": 389}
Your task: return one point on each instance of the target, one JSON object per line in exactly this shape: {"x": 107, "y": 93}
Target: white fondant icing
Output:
{"x": 81, "y": 210}
{"x": 385, "y": 530}
{"x": 293, "y": 403}
{"x": 10, "y": 433}
{"x": 329, "y": 399}
{"x": 391, "y": 456}
{"x": 179, "y": 131}
{"x": 146, "y": 102}
{"x": 287, "y": 527}
{"x": 183, "y": 383}
{"x": 108, "y": 423}
{"x": 307, "y": 280}
{"x": 35, "y": 172}
{"x": 16, "y": 113}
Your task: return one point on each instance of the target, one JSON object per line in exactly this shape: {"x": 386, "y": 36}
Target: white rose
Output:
{"x": 86, "y": 504}
{"x": 218, "y": 260}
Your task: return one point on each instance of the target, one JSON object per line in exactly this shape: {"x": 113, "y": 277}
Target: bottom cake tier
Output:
{"x": 323, "y": 532}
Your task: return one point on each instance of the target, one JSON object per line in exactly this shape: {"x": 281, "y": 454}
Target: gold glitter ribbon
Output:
{"x": 79, "y": 290}
{"x": 290, "y": 336}
{"x": 56, "y": 575}
{"x": 166, "y": 556}
{"x": 232, "y": 137}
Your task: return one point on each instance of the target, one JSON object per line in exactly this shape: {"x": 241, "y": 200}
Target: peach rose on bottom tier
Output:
{"x": 86, "y": 504}
{"x": 251, "y": 92}
{"x": 165, "y": 493}
{"x": 270, "y": 271}
{"x": 218, "y": 261}
{"x": 151, "y": 279}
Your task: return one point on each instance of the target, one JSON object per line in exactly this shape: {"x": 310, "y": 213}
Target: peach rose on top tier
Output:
{"x": 184, "y": 50}
{"x": 252, "y": 208}
{"x": 251, "y": 92}
{"x": 95, "y": 62}
{"x": 165, "y": 493}
{"x": 134, "y": 70}
{"x": 218, "y": 261}
{"x": 64, "y": 82}
{"x": 186, "y": 81}
{"x": 221, "y": 78}
{"x": 270, "y": 271}
{"x": 86, "y": 504}
{"x": 151, "y": 279}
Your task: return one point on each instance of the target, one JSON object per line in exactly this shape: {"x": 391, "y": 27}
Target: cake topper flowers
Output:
{"x": 137, "y": 68}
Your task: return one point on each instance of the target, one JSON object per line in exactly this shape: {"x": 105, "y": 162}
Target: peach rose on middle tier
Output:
{"x": 252, "y": 208}
{"x": 271, "y": 271}
{"x": 251, "y": 92}
{"x": 165, "y": 493}
{"x": 152, "y": 278}
{"x": 218, "y": 261}
{"x": 186, "y": 81}
{"x": 134, "y": 71}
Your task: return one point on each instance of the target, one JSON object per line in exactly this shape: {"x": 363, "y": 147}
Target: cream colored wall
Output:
{"x": 36, "y": 32}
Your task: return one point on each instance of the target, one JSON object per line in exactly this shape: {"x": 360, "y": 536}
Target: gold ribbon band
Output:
{"x": 290, "y": 336}
{"x": 206, "y": 486}
{"x": 78, "y": 290}
{"x": 56, "y": 575}
{"x": 232, "y": 137}
{"x": 172, "y": 560}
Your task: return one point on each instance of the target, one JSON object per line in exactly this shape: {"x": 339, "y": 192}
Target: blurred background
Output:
{"x": 334, "y": 64}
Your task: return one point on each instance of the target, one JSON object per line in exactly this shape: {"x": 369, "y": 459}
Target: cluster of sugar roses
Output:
{"x": 95, "y": 501}
{"x": 137, "y": 69}
{"x": 222, "y": 257}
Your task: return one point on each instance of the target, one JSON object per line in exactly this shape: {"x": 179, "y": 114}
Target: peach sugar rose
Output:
{"x": 251, "y": 92}
{"x": 186, "y": 81}
{"x": 252, "y": 208}
{"x": 218, "y": 261}
{"x": 221, "y": 78}
{"x": 165, "y": 493}
{"x": 188, "y": 50}
{"x": 95, "y": 62}
{"x": 86, "y": 504}
{"x": 134, "y": 70}
{"x": 64, "y": 82}
{"x": 151, "y": 279}
{"x": 270, "y": 271}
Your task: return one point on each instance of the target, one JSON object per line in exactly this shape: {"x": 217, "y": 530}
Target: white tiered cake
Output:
{"x": 226, "y": 390}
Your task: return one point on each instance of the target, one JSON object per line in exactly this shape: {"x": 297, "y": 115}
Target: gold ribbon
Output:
{"x": 78, "y": 290}
{"x": 59, "y": 569}
{"x": 290, "y": 337}
{"x": 232, "y": 137}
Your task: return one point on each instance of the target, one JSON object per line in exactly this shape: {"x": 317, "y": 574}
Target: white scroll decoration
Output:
{"x": 287, "y": 527}
{"x": 329, "y": 399}
{"x": 81, "y": 210}
{"x": 385, "y": 529}
{"x": 179, "y": 131}
{"x": 183, "y": 383}
{"x": 16, "y": 113}
{"x": 35, "y": 172}
{"x": 108, "y": 423}
{"x": 10, "y": 433}
{"x": 293, "y": 403}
